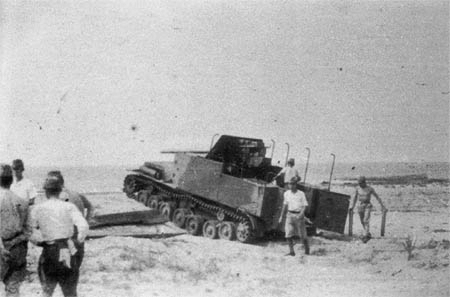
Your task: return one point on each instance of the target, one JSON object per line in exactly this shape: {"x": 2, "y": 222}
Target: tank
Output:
{"x": 228, "y": 192}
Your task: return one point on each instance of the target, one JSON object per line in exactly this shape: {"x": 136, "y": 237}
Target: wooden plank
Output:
{"x": 350, "y": 222}
{"x": 141, "y": 231}
{"x": 332, "y": 211}
{"x": 383, "y": 222}
{"x": 145, "y": 217}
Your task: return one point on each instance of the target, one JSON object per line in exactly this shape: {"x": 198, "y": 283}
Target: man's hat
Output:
{"x": 291, "y": 161}
{"x": 294, "y": 180}
{"x": 5, "y": 170}
{"x": 52, "y": 183}
{"x": 57, "y": 174}
{"x": 17, "y": 164}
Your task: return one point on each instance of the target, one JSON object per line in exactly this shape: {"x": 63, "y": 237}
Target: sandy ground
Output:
{"x": 339, "y": 266}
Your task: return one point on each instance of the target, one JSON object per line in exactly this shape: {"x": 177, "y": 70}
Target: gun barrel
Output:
{"x": 181, "y": 151}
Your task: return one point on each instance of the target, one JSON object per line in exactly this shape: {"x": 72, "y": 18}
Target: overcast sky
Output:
{"x": 115, "y": 82}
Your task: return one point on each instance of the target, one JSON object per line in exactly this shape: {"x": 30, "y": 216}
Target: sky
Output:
{"x": 116, "y": 82}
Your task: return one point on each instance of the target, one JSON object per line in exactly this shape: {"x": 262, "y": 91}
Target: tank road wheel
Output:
{"x": 153, "y": 202}
{"x": 180, "y": 215}
{"x": 166, "y": 210}
{"x": 194, "y": 225}
{"x": 227, "y": 230}
{"x": 129, "y": 186}
{"x": 143, "y": 197}
{"x": 220, "y": 215}
{"x": 244, "y": 232}
{"x": 210, "y": 229}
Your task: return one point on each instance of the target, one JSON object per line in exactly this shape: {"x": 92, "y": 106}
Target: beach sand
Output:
{"x": 338, "y": 266}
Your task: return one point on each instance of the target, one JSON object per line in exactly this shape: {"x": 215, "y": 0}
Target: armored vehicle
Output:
{"x": 228, "y": 192}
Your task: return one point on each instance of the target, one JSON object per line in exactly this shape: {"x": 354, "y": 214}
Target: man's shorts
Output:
{"x": 295, "y": 226}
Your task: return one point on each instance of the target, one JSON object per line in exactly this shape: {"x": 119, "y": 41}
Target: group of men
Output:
{"x": 59, "y": 225}
{"x": 295, "y": 204}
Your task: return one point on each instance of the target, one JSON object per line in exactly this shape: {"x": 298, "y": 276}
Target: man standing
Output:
{"x": 80, "y": 201}
{"x": 54, "y": 220}
{"x": 14, "y": 234}
{"x": 22, "y": 187}
{"x": 362, "y": 195}
{"x": 289, "y": 172}
{"x": 294, "y": 204}
{"x": 83, "y": 205}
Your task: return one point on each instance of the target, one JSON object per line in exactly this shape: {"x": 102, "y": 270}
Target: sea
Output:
{"x": 109, "y": 178}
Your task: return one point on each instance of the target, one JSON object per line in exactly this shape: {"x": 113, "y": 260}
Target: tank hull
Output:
{"x": 229, "y": 192}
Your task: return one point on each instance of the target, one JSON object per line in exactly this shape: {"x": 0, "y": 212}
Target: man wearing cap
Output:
{"x": 53, "y": 223}
{"x": 289, "y": 172}
{"x": 22, "y": 187}
{"x": 14, "y": 234}
{"x": 81, "y": 202}
{"x": 363, "y": 194}
{"x": 294, "y": 205}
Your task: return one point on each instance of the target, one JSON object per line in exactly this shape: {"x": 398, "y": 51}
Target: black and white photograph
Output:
{"x": 224, "y": 148}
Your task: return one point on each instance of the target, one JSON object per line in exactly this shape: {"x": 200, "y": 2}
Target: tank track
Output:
{"x": 245, "y": 226}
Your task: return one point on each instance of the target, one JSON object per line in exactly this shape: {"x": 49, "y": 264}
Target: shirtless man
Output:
{"x": 362, "y": 195}
{"x": 289, "y": 172}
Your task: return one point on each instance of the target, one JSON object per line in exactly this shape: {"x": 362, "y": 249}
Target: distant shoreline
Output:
{"x": 394, "y": 180}
{"x": 363, "y": 163}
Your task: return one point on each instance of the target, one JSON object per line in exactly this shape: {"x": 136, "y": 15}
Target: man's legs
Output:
{"x": 291, "y": 244}
{"x": 366, "y": 220}
{"x": 364, "y": 216}
{"x": 16, "y": 269}
{"x": 290, "y": 231}
{"x": 68, "y": 278}
{"x": 361, "y": 214}
{"x": 12, "y": 283}
{"x": 48, "y": 269}
{"x": 303, "y": 235}
{"x": 69, "y": 281}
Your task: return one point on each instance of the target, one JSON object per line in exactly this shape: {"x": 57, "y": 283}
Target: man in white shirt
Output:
{"x": 53, "y": 224}
{"x": 81, "y": 202}
{"x": 294, "y": 205}
{"x": 22, "y": 187}
{"x": 289, "y": 172}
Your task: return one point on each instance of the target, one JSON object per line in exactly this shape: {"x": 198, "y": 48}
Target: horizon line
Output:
{"x": 297, "y": 163}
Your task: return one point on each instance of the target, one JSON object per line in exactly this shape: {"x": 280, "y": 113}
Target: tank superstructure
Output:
{"x": 227, "y": 192}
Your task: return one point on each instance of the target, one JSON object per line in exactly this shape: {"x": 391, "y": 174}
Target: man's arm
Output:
{"x": 283, "y": 213}
{"x": 35, "y": 236}
{"x": 4, "y": 253}
{"x": 283, "y": 209}
{"x": 303, "y": 210}
{"x": 88, "y": 206}
{"x": 305, "y": 205}
{"x": 32, "y": 193}
{"x": 383, "y": 208}
{"x": 79, "y": 221}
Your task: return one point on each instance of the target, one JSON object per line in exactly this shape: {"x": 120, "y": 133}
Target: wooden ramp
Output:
{"x": 167, "y": 229}
{"x": 143, "y": 224}
{"x": 142, "y": 217}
